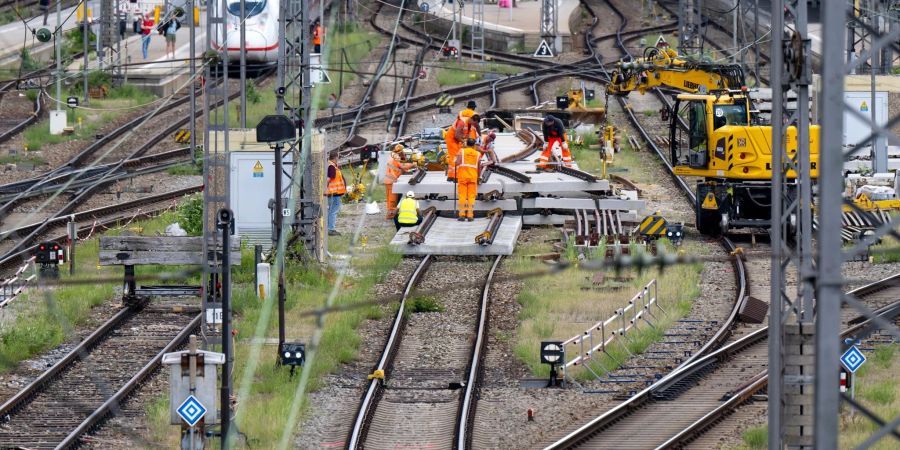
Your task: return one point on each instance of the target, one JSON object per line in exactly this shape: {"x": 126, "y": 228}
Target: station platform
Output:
{"x": 525, "y": 18}
{"x": 15, "y": 36}
{"x": 449, "y": 236}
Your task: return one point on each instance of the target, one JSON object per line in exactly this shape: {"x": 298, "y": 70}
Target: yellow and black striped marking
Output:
{"x": 653, "y": 225}
{"x": 183, "y": 136}
{"x": 445, "y": 101}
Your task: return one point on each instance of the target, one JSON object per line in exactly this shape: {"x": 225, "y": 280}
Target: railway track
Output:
{"x": 427, "y": 401}
{"x": 78, "y": 392}
{"x": 688, "y": 401}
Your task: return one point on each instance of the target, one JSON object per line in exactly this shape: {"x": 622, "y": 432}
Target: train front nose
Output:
{"x": 257, "y": 45}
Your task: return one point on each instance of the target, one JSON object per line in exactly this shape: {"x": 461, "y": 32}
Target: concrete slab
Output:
{"x": 583, "y": 203}
{"x": 450, "y": 205}
{"x": 451, "y": 237}
{"x": 543, "y": 182}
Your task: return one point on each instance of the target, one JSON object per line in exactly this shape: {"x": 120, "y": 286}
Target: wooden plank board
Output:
{"x": 140, "y": 250}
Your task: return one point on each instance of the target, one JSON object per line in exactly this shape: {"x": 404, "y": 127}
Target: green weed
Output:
{"x": 756, "y": 438}
{"x": 190, "y": 215}
{"x": 423, "y": 305}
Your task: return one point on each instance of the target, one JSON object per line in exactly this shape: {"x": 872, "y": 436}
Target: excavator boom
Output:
{"x": 664, "y": 68}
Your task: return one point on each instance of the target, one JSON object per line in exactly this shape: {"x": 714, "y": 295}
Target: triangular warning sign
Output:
{"x": 258, "y": 166}
{"x": 319, "y": 75}
{"x": 661, "y": 42}
{"x": 543, "y": 50}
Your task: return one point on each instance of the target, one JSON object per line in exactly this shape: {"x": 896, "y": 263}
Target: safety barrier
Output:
{"x": 13, "y": 286}
{"x": 603, "y": 333}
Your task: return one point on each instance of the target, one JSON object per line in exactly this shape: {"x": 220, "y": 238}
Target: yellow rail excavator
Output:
{"x": 712, "y": 136}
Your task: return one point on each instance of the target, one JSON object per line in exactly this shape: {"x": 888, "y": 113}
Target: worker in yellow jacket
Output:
{"x": 395, "y": 167}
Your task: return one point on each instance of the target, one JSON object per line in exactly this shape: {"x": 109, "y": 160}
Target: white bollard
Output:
{"x": 263, "y": 274}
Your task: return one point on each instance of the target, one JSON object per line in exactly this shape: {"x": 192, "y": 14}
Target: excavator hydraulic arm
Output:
{"x": 664, "y": 68}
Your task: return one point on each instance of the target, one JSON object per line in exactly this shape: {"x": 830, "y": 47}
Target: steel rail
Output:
{"x": 700, "y": 357}
{"x": 758, "y": 382}
{"x": 83, "y": 348}
{"x": 373, "y": 392}
{"x": 11, "y": 255}
{"x": 466, "y": 418}
{"x": 32, "y": 118}
{"x": 92, "y": 175}
{"x": 113, "y": 402}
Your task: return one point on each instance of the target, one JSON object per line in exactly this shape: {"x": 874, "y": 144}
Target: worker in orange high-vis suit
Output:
{"x": 463, "y": 128}
{"x": 554, "y": 133}
{"x": 395, "y": 167}
{"x": 467, "y": 180}
{"x": 318, "y": 32}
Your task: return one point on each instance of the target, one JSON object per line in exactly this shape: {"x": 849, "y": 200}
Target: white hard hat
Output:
{"x": 410, "y": 194}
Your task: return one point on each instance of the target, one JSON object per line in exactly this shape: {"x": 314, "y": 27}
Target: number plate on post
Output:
{"x": 214, "y": 315}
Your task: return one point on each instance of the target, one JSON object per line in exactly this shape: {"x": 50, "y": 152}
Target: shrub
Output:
{"x": 190, "y": 215}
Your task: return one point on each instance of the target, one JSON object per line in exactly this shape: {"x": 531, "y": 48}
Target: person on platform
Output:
{"x": 467, "y": 180}
{"x": 146, "y": 29}
{"x": 408, "y": 214}
{"x": 396, "y": 166}
{"x": 464, "y": 127}
{"x": 170, "y": 29}
{"x": 337, "y": 187}
{"x": 554, "y": 133}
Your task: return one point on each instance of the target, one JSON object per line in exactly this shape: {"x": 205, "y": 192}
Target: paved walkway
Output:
{"x": 524, "y": 18}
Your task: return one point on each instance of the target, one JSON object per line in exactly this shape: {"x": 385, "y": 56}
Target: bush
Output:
{"x": 190, "y": 215}
{"x": 28, "y": 63}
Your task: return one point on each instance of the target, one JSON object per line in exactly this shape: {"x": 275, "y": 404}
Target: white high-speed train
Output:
{"x": 261, "y": 30}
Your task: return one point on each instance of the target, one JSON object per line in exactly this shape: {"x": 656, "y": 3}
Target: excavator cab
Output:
{"x": 693, "y": 121}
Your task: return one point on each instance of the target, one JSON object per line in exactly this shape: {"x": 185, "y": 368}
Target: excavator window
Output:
{"x": 729, "y": 115}
{"x": 697, "y": 124}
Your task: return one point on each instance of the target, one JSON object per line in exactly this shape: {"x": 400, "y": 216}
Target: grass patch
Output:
{"x": 86, "y": 122}
{"x": 877, "y": 389}
{"x": 756, "y": 438}
{"x": 45, "y": 318}
{"x": 563, "y": 305}
{"x": 888, "y": 251}
{"x": 185, "y": 169}
{"x": 263, "y": 413}
{"x": 453, "y": 73}
{"x": 423, "y": 305}
{"x": 36, "y": 160}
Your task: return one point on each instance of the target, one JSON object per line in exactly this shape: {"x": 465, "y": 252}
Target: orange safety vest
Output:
{"x": 467, "y": 170}
{"x": 336, "y": 185}
{"x": 317, "y": 35}
{"x": 394, "y": 170}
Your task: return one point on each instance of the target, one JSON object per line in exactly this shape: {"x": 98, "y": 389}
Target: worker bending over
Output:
{"x": 408, "y": 212}
{"x": 395, "y": 167}
{"x": 464, "y": 127}
{"x": 554, "y": 133}
{"x": 467, "y": 180}
{"x": 487, "y": 146}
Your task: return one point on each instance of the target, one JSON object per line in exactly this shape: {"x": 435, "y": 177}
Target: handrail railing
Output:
{"x": 590, "y": 342}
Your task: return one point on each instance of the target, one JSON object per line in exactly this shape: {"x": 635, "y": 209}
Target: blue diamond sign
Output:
{"x": 853, "y": 359}
{"x": 191, "y": 410}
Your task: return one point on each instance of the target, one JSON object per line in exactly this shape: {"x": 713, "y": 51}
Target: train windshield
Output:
{"x": 251, "y": 7}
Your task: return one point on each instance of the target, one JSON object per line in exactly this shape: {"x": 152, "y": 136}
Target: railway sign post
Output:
{"x": 543, "y": 50}
{"x": 853, "y": 359}
{"x": 191, "y": 410}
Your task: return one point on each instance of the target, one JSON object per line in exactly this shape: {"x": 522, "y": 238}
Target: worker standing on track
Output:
{"x": 554, "y": 133}
{"x": 395, "y": 168}
{"x": 467, "y": 180}
{"x": 408, "y": 212}
{"x": 464, "y": 127}
{"x": 336, "y": 190}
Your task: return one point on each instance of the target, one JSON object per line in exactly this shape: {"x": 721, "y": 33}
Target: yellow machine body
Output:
{"x": 738, "y": 152}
